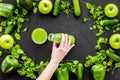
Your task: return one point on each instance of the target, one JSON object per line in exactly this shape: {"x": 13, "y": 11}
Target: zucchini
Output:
{"x": 109, "y": 22}
{"x": 56, "y": 7}
{"x": 76, "y": 7}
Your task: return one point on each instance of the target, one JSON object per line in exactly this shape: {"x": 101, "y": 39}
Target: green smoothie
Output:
{"x": 39, "y": 36}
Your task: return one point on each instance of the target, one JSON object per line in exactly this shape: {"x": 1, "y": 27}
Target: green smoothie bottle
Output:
{"x": 58, "y": 36}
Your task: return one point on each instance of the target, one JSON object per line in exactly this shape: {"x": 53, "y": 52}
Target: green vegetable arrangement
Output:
{"x": 26, "y": 65}
{"x": 105, "y": 59}
{"x": 70, "y": 66}
{"x": 65, "y": 7}
{"x": 16, "y": 20}
{"x": 102, "y": 22}
{"x": 17, "y": 59}
{"x": 99, "y": 64}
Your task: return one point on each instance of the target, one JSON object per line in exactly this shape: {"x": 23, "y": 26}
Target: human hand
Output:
{"x": 58, "y": 53}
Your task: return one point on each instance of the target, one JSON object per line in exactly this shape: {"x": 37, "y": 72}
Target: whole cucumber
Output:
{"x": 76, "y": 7}
{"x": 113, "y": 56}
{"x": 80, "y": 71}
{"x": 107, "y": 22}
{"x": 56, "y": 7}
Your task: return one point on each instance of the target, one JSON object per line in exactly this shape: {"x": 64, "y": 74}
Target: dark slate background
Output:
{"x": 85, "y": 39}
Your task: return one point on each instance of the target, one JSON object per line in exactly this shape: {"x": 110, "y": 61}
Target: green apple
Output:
{"x": 6, "y": 41}
{"x": 114, "y": 41}
{"x": 45, "y": 6}
{"x": 39, "y": 36}
{"x": 111, "y": 10}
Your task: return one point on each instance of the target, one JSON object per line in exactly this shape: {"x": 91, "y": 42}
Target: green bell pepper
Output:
{"x": 27, "y": 4}
{"x": 6, "y": 9}
{"x": 98, "y": 72}
{"x": 58, "y": 36}
{"x": 62, "y": 73}
{"x": 9, "y": 64}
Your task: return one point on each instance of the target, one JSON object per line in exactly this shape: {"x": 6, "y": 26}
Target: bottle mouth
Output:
{"x": 50, "y": 36}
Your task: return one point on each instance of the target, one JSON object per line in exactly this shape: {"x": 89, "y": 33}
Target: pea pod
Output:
{"x": 76, "y": 7}
{"x": 56, "y": 7}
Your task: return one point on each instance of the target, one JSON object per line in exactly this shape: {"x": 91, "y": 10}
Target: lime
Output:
{"x": 39, "y": 36}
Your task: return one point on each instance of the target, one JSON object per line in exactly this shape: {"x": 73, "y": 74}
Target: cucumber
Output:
{"x": 76, "y": 7}
{"x": 109, "y": 22}
{"x": 56, "y": 7}
{"x": 113, "y": 56}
